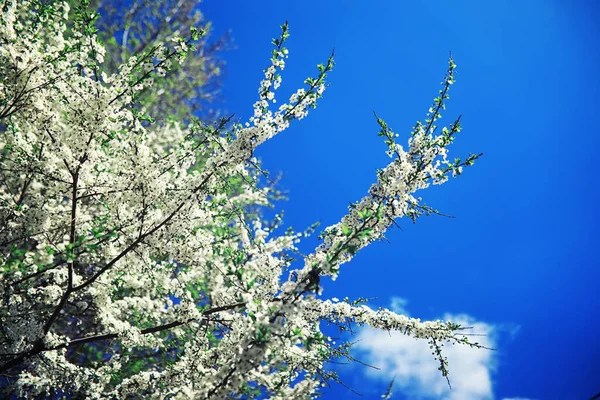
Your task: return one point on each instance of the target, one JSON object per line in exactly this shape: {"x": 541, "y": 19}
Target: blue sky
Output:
{"x": 520, "y": 258}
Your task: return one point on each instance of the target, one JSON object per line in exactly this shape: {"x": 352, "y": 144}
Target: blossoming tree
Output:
{"x": 129, "y": 27}
{"x": 129, "y": 265}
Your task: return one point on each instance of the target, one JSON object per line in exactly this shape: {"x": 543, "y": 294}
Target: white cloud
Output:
{"x": 398, "y": 305}
{"x": 416, "y": 375}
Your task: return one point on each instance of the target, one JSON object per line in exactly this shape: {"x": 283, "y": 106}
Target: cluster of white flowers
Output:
{"x": 126, "y": 244}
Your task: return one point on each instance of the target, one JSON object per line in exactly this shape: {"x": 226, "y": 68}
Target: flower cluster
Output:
{"x": 130, "y": 262}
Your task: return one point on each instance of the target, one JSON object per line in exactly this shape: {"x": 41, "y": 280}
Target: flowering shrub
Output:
{"x": 129, "y": 263}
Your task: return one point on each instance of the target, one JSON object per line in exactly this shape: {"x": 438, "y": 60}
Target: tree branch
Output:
{"x": 39, "y": 347}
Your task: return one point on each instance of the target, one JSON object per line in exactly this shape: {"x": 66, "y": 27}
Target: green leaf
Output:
{"x": 346, "y": 231}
